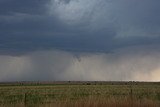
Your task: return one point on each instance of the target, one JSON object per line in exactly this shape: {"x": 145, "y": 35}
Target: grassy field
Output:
{"x": 80, "y": 94}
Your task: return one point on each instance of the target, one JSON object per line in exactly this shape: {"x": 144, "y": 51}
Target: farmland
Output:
{"x": 80, "y": 94}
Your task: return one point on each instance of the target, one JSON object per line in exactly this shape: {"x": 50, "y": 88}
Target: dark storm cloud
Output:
{"x": 97, "y": 26}
{"x": 79, "y": 40}
{"x": 22, "y": 6}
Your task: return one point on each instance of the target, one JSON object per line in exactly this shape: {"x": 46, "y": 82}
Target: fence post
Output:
{"x": 131, "y": 94}
{"x": 25, "y": 99}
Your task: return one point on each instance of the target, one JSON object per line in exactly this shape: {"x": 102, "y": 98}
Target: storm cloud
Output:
{"x": 79, "y": 40}
{"x": 77, "y": 25}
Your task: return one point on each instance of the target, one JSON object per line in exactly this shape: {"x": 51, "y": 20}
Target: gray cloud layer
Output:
{"x": 79, "y": 40}
{"x": 77, "y": 25}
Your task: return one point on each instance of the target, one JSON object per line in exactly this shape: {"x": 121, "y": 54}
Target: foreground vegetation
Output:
{"x": 80, "y": 94}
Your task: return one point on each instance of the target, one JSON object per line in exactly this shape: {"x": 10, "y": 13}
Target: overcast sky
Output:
{"x": 79, "y": 40}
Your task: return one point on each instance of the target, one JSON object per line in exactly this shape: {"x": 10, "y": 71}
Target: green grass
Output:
{"x": 51, "y": 94}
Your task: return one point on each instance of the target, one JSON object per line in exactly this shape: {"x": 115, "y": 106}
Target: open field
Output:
{"x": 80, "y": 94}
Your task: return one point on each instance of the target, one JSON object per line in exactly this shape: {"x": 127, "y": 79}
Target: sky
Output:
{"x": 79, "y": 40}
